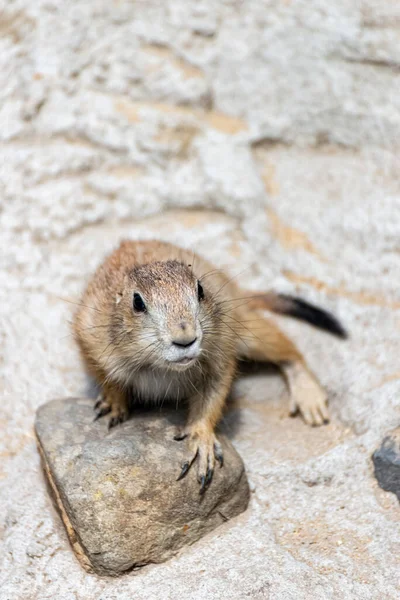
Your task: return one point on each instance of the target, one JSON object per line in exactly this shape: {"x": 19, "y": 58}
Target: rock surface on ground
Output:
{"x": 387, "y": 463}
{"x": 117, "y": 490}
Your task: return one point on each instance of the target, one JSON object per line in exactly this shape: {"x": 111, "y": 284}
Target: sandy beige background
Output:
{"x": 277, "y": 123}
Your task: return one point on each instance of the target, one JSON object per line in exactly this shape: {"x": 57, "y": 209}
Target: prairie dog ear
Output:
{"x": 123, "y": 286}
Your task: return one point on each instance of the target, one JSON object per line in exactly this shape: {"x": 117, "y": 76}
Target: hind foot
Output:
{"x": 306, "y": 395}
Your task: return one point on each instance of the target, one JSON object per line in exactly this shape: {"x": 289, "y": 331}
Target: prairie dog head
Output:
{"x": 162, "y": 316}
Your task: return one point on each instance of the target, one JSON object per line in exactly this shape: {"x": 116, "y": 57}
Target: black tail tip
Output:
{"x": 322, "y": 319}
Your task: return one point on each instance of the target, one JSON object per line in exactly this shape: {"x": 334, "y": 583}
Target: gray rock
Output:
{"x": 387, "y": 463}
{"x": 117, "y": 491}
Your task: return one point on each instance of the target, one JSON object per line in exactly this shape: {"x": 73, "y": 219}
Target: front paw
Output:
{"x": 104, "y": 406}
{"x": 203, "y": 446}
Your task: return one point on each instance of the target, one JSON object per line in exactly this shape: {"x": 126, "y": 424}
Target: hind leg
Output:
{"x": 261, "y": 340}
{"x": 306, "y": 394}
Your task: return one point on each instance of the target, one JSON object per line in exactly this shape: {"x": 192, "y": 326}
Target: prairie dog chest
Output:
{"x": 150, "y": 385}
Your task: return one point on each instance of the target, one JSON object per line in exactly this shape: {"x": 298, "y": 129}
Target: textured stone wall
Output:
{"x": 277, "y": 123}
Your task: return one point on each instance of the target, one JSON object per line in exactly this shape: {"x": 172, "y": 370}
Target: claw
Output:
{"x": 203, "y": 485}
{"x": 97, "y": 403}
{"x": 180, "y": 436}
{"x": 115, "y": 421}
{"x": 209, "y": 476}
{"x": 185, "y": 469}
{"x": 218, "y": 454}
{"x": 207, "y": 451}
{"x": 102, "y": 412}
{"x": 186, "y": 466}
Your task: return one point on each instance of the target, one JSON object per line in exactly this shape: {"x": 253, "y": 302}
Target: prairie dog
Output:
{"x": 160, "y": 323}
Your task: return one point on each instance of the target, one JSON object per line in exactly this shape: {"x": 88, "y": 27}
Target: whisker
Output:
{"x": 234, "y": 332}
{"x": 231, "y": 279}
{"x": 209, "y": 273}
{"x": 78, "y": 304}
{"x": 247, "y": 297}
{"x": 240, "y": 323}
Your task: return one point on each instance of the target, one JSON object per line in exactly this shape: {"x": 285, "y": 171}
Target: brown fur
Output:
{"x": 125, "y": 350}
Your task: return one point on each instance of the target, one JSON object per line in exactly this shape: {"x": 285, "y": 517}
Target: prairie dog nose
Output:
{"x": 184, "y": 335}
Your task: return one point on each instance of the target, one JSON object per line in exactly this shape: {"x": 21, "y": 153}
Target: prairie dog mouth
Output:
{"x": 182, "y": 363}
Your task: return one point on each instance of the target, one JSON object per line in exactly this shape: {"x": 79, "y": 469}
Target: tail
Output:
{"x": 299, "y": 309}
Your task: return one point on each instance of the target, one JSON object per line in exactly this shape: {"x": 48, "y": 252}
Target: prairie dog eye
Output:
{"x": 138, "y": 304}
{"x": 200, "y": 291}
